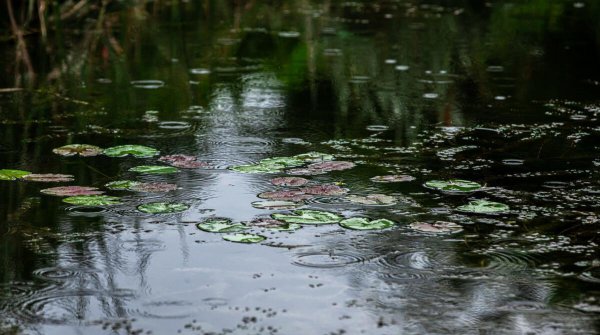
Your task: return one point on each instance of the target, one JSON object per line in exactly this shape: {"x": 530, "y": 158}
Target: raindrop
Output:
{"x": 148, "y": 84}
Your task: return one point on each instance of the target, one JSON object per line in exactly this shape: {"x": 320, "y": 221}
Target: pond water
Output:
{"x": 392, "y": 94}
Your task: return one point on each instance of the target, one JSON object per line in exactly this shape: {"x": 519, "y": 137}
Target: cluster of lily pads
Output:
{"x": 295, "y": 191}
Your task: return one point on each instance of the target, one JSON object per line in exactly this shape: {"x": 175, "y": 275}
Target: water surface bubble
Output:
{"x": 178, "y": 125}
{"x": 200, "y": 71}
{"x": 430, "y": 95}
{"x": 148, "y": 84}
{"x": 402, "y": 67}
{"x": 512, "y": 162}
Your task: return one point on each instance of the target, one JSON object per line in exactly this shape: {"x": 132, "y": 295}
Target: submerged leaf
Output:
{"x": 68, "y": 191}
{"x": 93, "y": 200}
{"x": 484, "y": 207}
{"x": 121, "y": 184}
{"x": 84, "y": 150}
{"x": 453, "y": 185}
{"x": 12, "y": 174}
{"x": 49, "y": 177}
{"x": 437, "y": 227}
{"x": 276, "y": 204}
{"x": 244, "y": 238}
{"x": 154, "y": 169}
{"x": 372, "y": 199}
{"x": 162, "y": 207}
{"x": 366, "y": 224}
{"x": 289, "y": 181}
{"x": 392, "y": 178}
{"x": 220, "y": 225}
{"x": 308, "y": 217}
{"x": 138, "y": 151}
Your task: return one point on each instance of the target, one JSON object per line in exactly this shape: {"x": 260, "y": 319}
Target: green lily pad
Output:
{"x": 257, "y": 168}
{"x": 314, "y": 156}
{"x": 154, "y": 169}
{"x": 84, "y": 150}
{"x": 273, "y": 224}
{"x": 308, "y": 217}
{"x": 453, "y": 185}
{"x": 244, "y": 238}
{"x": 12, "y": 174}
{"x": 282, "y": 161}
{"x": 138, "y": 151}
{"x": 220, "y": 225}
{"x": 484, "y": 207}
{"x": 93, "y": 200}
{"x": 366, "y": 224}
{"x": 373, "y": 199}
{"x": 162, "y": 207}
{"x": 121, "y": 184}
{"x": 275, "y": 204}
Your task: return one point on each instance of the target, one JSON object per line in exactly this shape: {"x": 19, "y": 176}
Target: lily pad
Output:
{"x": 244, "y": 238}
{"x": 484, "y": 207}
{"x": 305, "y": 172}
{"x": 257, "y": 168}
{"x": 366, "y": 224}
{"x": 287, "y": 195}
{"x": 49, "y": 177}
{"x": 177, "y": 158}
{"x": 289, "y": 181}
{"x": 308, "y": 217}
{"x": 154, "y": 169}
{"x": 162, "y": 207}
{"x": 282, "y": 161}
{"x": 327, "y": 189}
{"x": 220, "y": 225}
{"x": 121, "y": 184}
{"x": 273, "y": 224}
{"x": 69, "y": 191}
{"x": 184, "y": 161}
{"x": 314, "y": 156}
{"x": 153, "y": 187}
{"x": 138, "y": 151}
{"x": 93, "y": 200}
{"x": 372, "y": 199}
{"x": 276, "y": 204}
{"x": 453, "y": 185}
{"x": 437, "y": 227}
{"x": 392, "y": 178}
{"x": 84, "y": 150}
{"x": 331, "y": 166}
{"x": 12, "y": 174}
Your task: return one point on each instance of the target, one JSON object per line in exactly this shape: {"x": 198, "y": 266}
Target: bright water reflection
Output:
{"x": 453, "y": 89}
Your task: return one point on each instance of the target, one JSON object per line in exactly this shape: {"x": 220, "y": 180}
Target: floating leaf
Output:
{"x": 93, "y": 200}
{"x": 177, "y": 158}
{"x": 484, "y": 207}
{"x": 308, "y": 217}
{"x": 372, "y": 199}
{"x": 438, "y": 227}
{"x": 220, "y": 225}
{"x": 289, "y": 181}
{"x": 392, "y": 178}
{"x": 49, "y": 177}
{"x": 287, "y": 195}
{"x": 153, "y": 187}
{"x": 138, "y": 151}
{"x": 331, "y": 166}
{"x": 305, "y": 172}
{"x": 12, "y": 174}
{"x": 453, "y": 185}
{"x": 276, "y": 204}
{"x": 257, "y": 168}
{"x": 282, "y": 161}
{"x": 162, "y": 207}
{"x": 84, "y": 150}
{"x": 327, "y": 189}
{"x": 366, "y": 224}
{"x": 314, "y": 156}
{"x": 244, "y": 238}
{"x": 273, "y": 224}
{"x": 154, "y": 169}
{"x": 69, "y": 191}
{"x": 184, "y": 161}
{"x": 121, "y": 184}
{"x": 192, "y": 165}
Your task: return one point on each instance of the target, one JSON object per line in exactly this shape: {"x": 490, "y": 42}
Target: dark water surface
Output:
{"x": 506, "y": 94}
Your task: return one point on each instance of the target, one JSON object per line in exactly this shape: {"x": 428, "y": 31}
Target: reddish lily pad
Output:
{"x": 332, "y": 166}
{"x": 49, "y": 177}
{"x": 177, "y": 158}
{"x": 372, "y": 199}
{"x": 437, "y": 227}
{"x": 305, "y": 172}
{"x": 84, "y": 150}
{"x": 289, "y": 181}
{"x": 184, "y": 162}
{"x": 392, "y": 178}
{"x": 290, "y": 195}
{"x": 152, "y": 187}
{"x": 327, "y": 189}
{"x": 70, "y": 191}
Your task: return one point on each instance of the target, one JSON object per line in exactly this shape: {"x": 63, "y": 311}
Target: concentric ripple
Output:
{"x": 327, "y": 259}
